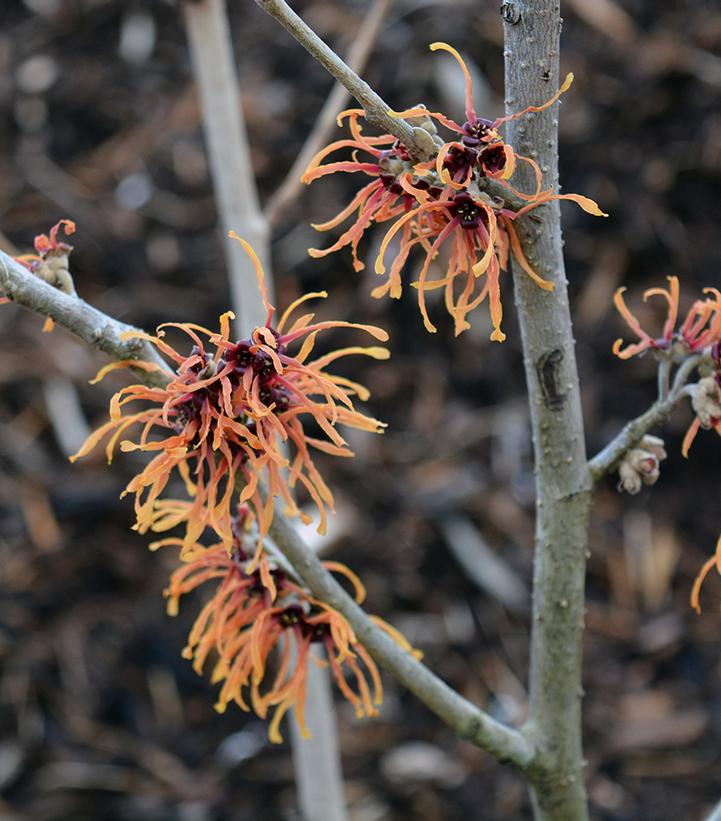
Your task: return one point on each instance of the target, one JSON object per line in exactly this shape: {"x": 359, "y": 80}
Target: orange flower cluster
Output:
{"x": 441, "y": 202}
{"x": 700, "y": 332}
{"x": 223, "y": 418}
{"x": 243, "y": 623}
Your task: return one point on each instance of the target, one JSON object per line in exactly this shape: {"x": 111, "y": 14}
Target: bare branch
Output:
{"x": 103, "y": 332}
{"x": 288, "y": 190}
{"x": 81, "y": 319}
{"x": 416, "y": 140}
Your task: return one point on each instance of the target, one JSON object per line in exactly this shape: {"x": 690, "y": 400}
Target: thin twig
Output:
{"x": 664, "y": 377}
{"x": 103, "y": 332}
{"x": 325, "y": 122}
{"x": 632, "y": 433}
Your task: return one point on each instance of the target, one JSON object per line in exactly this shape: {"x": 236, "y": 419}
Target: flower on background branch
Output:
{"x": 440, "y": 205}
{"x": 700, "y": 329}
{"x": 698, "y": 333}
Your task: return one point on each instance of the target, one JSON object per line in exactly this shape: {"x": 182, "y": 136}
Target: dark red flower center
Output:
{"x": 469, "y": 213}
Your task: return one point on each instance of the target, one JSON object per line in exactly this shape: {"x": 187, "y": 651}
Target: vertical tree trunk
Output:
{"x": 563, "y": 486}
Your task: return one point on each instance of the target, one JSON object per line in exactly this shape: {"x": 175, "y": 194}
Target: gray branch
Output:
{"x": 206, "y": 24}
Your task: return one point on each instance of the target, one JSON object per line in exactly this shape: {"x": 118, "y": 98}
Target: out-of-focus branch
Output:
{"x": 632, "y": 433}
{"x": 318, "y": 771}
{"x": 418, "y": 141}
{"x": 103, "y": 332}
{"x": 206, "y": 24}
{"x": 326, "y": 121}
{"x": 81, "y": 319}
{"x": 715, "y": 813}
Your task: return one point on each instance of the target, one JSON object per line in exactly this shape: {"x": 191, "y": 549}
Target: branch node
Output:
{"x": 511, "y": 12}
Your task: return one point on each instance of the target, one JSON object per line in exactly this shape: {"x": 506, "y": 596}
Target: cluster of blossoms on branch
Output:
{"x": 439, "y": 202}
{"x": 237, "y": 421}
{"x": 246, "y": 620}
{"x": 695, "y": 342}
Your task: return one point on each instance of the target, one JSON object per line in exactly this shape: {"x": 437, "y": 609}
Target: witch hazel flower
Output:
{"x": 224, "y": 414}
{"x": 383, "y": 159}
{"x": 440, "y": 203}
{"x": 245, "y": 622}
{"x": 700, "y": 329}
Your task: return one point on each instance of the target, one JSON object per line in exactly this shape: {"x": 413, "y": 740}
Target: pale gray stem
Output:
{"x": 664, "y": 377}
{"x": 325, "y": 122}
{"x": 316, "y": 761}
{"x": 207, "y": 29}
{"x": 318, "y": 772}
{"x": 103, "y": 332}
{"x": 417, "y": 141}
{"x": 563, "y": 483}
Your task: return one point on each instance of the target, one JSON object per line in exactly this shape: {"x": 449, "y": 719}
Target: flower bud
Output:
{"x": 641, "y": 465}
{"x": 706, "y": 401}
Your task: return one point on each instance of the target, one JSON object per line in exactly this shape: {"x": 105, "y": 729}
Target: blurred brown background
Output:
{"x": 100, "y": 718}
